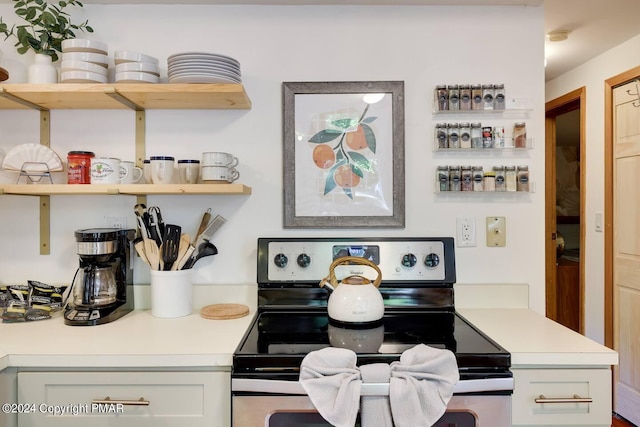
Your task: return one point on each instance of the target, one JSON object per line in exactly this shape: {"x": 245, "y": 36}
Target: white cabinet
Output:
{"x": 125, "y": 399}
{"x": 562, "y": 397}
{"x": 8, "y": 416}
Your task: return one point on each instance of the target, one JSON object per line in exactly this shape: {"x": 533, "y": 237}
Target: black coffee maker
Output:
{"x": 102, "y": 289}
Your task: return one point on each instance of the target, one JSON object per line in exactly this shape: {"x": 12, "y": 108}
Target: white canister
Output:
{"x": 189, "y": 171}
{"x": 105, "y": 170}
{"x": 219, "y": 174}
{"x": 217, "y": 158}
{"x": 171, "y": 293}
{"x": 162, "y": 169}
{"x": 130, "y": 173}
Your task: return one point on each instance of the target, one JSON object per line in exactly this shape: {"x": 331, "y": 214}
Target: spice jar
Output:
{"x": 510, "y": 177}
{"x": 476, "y": 97}
{"x": 454, "y": 97}
{"x": 441, "y": 135}
{"x": 478, "y": 177}
{"x": 498, "y": 137}
{"x": 489, "y": 182}
{"x": 79, "y": 167}
{"x": 500, "y": 178}
{"x": 523, "y": 178}
{"x": 519, "y": 135}
{"x": 453, "y": 132}
{"x": 442, "y": 97}
{"x": 499, "y": 99}
{"x": 487, "y": 137}
{"x": 476, "y": 135}
{"x": 465, "y": 135}
{"x": 487, "y": 97}
{"x": 467, "y": 178}
{"x": 442, "y": 176}
{"x": 454, "y": 178}
{"x": 465, "y": 97}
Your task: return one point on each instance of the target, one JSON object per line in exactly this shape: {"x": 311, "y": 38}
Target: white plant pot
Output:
{"x": 42, "y": 70}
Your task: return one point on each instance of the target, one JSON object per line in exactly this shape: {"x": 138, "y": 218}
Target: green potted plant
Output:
{"x": 47, "y": 25}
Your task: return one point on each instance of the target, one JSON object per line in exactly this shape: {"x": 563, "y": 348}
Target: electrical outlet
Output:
{"x": 116, "y": 222}
{"x": 466, "y": 231}
{"x": 496, "y": 231}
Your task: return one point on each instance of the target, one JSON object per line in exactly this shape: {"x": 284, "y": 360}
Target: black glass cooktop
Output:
{"x": 277, "y": 342}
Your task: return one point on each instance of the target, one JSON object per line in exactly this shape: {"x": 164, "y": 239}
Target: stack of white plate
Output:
{"x": 200, "y": 67}
{"x": 84, "y": 61}
{"x": 134, "y": 67}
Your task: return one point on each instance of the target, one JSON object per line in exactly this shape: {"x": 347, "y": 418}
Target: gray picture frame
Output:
{"x": 396, "y": 197}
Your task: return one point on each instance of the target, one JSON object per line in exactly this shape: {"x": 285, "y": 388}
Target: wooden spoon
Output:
{"x": 185, "y": 241}
{"x": 152, "y": 252}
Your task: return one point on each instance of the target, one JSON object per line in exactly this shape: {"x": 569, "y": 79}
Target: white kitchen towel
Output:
{"x": 421, "y": 385}
{"x": 332, "y": 380}
{"x": 375, "y": 410}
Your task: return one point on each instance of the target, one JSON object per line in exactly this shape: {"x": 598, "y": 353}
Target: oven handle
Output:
{"x": 368, "y": 389}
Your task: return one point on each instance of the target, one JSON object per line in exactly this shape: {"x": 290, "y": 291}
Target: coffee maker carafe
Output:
{"x": 103, "y": 283}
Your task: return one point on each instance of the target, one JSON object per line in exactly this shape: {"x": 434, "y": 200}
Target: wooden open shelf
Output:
{"x": 124, "y": 189}
{"x": 135, "y": 96}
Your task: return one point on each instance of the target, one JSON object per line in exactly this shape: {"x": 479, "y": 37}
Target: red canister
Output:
{"x": 79, "y": 166}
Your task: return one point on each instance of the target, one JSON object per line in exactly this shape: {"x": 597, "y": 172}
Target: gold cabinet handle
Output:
{"x": 108, "y": 401}
{"x": 574, "y": 399}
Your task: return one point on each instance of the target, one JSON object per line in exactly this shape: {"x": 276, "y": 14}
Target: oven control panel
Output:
{"x": 407, "y": 260}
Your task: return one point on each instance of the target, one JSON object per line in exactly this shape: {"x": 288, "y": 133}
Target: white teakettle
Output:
{"x": 356, "y": 299}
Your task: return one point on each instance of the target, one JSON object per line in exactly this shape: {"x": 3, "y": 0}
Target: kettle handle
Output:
{"x": 331, "y": 278}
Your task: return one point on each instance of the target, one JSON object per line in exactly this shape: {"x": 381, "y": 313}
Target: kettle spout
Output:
{"x": 324, "y": 283}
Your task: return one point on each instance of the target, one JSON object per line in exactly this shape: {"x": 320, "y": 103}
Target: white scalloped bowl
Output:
{"x": 84, "y": 45}
{"x": 82, "y": 77}
{"x": 82, "y": 66}
{"x": 141, "y": 67}
{"x": 94, "y": 58}
{"x": 136, "y": 77}
{"x": 122, "y": 56}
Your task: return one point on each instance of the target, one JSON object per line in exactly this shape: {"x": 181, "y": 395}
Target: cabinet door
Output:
{"x": 532, "y": 384}
{"x": 67, "y": 399}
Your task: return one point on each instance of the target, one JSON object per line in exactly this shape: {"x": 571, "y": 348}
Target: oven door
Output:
{"x": 283, "y": 403}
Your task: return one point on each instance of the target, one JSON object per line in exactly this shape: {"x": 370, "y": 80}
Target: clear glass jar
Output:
{"x": 489, "y": 181}
{"x": 454, "y": 97}
{"x": 510, "y": 177}
{"x": 441, "y": 98}
{"x": 465, "y": 97}
{"x": 476, "y": 97}
{"x": 442, "y": 177}
{"x": 442, "y": 135}
{"x": 476, "y": 135}
{"x": 467, "y": 178}
{"x": 520, "y": 135}
{"x": 453, "y": 132}
{"x": 500, "y": 178}
{"x": 465, "y": 135}
{"x": 523, "y": 178}
{"x": 487, "y": 97}
{"x": 499, "y": 98}
{"x": 487, "y": 137}
{"x": 478, "y": 178}
{"x": 454, "y": 178}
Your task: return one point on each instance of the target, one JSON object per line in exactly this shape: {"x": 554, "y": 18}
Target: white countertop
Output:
{"x": 140, "y": 340}
{"x": 533, "y": 339}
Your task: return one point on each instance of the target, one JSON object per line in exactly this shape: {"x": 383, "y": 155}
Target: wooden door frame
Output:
{"x": 552, "y": 109}
{"x": 609, "y": 85}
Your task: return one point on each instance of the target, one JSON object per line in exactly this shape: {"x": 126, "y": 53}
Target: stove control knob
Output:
{"x": 432, "y": 260}
{"x": 281, "y": 260}
{"x": 304, "y": 260}
{"x": 409, "y": 260}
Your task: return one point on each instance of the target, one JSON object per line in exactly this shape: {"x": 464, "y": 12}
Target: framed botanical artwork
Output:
{"x": 343, "y": 154}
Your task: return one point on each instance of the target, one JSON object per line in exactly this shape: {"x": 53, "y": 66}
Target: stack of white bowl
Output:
{"x": 134, "y": 67}
{"x": 84, "y": 61}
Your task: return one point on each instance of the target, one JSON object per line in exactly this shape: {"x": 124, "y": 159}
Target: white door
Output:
{"x": 626, "y": 250}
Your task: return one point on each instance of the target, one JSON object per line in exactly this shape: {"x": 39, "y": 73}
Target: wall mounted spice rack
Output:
{"x": 134, "y": 97}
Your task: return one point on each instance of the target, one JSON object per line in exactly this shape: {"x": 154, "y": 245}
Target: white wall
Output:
{"x": 592, "y": 75}
{"x": 422, "y": 46}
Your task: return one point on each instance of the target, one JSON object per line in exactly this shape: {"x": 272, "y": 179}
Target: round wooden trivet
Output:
{"x": 224, "y": 311}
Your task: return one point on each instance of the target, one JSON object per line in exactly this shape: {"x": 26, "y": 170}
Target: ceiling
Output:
{"x": 596, "y": 26}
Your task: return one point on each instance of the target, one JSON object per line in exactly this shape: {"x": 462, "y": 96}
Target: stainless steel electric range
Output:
{"x": 417, "y": 287}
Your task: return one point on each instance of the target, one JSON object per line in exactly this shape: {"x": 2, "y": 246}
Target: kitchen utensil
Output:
{"x": 215, "y": 224}
{"x": 153, "y": 253}
{"x": 203, "y": 224}
{"x": 187, "y": 255}
{"x": 185, "y": 242}
{"x": 156, "y": 224}
{"x": 170, "y": 244}
{"x": 204, "y": 250}
{"x": 139, "y": 245}
{"x": 356, "y": 299}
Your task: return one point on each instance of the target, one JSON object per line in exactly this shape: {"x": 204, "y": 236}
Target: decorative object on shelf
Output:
{"x": 134, "y": 67}
{"x": 42, "y": 70}
{"x": 84, "y": 61}
{"x": 32, "y": 155}
{"x": 343, "y": 154}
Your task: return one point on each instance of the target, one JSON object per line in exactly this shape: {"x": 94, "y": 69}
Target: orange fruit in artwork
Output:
{"x": 345, "y": 177}
{"x": 356, "y": 140}
{"x": 323, "y": 156}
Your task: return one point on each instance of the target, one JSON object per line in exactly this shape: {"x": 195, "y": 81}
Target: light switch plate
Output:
{"x": 496, "y": 231}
